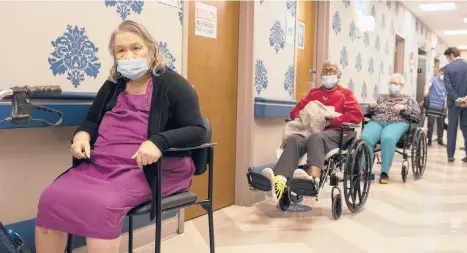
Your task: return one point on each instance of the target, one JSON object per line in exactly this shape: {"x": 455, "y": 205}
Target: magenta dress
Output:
{"x": 92, "y": 199}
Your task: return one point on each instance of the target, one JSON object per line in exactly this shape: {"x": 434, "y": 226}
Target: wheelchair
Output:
{"x": 411, "y": 146}
{"x": 346, "y": 158}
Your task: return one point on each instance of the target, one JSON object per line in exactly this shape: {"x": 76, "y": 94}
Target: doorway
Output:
{"x": 305, "y": 54}
{"x": 421, "y": 75}
{"x": 399, "y": 55}
{"x": 212, "y": 69}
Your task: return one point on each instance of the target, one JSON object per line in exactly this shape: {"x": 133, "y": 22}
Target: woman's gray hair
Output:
{"x": 398, "y": 76}
{"x": 158, "y": 62}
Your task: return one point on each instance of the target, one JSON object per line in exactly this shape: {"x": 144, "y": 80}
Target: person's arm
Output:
{"x": 451, "y": 92}
{"x": 299, "y": 106}
{"x": 351, "y": 113}
{"x": 186, "y": 112}
{"x": 412, "y": 109}
{"x": 428, "y": 86}
{"x": 90, "y": 122}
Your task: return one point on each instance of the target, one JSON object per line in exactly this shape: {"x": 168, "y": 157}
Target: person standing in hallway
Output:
{"x": 455, "y": 80}
{"x": 436, "y": 94}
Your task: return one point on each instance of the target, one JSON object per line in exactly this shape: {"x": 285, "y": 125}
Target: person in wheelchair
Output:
{"x": 389, "y": 114}
{"x": 318, "y": 144}
{"x": 143, "y": 110}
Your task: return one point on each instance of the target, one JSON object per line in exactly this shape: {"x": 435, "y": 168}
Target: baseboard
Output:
{"x": 145, "y": 235}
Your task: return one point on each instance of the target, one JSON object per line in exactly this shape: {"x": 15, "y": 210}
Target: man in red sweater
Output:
{"x": 318, "y": 144}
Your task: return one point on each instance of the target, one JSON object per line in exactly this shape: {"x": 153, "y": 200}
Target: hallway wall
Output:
{"x": 367, "y": 59}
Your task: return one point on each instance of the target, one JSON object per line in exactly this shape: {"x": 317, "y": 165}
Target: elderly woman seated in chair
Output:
{"x": 141, "y": 111}
{"x": 389, "y": 122}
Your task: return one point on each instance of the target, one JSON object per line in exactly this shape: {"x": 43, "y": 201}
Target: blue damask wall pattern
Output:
{"x": 381, "y": 68}
{"x": 377, "y": 43}
{"x": 74, "y": 55}
{"x": 346, "y": 3}
{"x": 388, "y": 4}
{"x": 383, "y": 21}
{"x": 366, "y": 39}
{"x": 373, "y": 11}
{"x": 351, "y": 85}
{"x": 352, "y": 31}
{"x": 371, "y": 66}
{"x": 125, "y": 7}
{"x": 277, "y": 36}
{"x": 291, "y": 6}
{"x": 289, "y": 80}
{"x": 261, "y": 76}
{"x": 364, "y": 94}
{"x": 336, "y": 23}
{"x": 344, "y": 59}
{"x": 180, "y": 12}
{"x": 169, "y": 57}
{"x": 358, "y": 62}
{"x": 386, "y": 48}
{"x": 375, "y": 92}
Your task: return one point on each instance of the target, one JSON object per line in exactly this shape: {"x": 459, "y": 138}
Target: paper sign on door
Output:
{"x": 206, "y": 20}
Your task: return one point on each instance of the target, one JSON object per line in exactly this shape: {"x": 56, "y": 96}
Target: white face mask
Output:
{"x": 394, "y": 89}
{"x": 330, "y": 81}
{"x": 441, "y": 77}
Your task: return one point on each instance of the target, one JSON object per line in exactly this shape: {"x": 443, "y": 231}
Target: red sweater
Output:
{"x": 341, "y": 98}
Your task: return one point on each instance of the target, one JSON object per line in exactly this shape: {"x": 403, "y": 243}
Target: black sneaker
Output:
{"x": 441, "y": 143}
{"x": 429, "y": 143}
{"x": 383, "y": 178}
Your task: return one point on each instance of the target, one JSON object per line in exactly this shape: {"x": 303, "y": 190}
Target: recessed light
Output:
{"x": 438, "y": 7}
{"x": 463, "y": 47}
{"x": 455, "y": 32}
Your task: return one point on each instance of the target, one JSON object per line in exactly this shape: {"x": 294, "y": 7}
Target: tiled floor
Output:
{"x": 429, "y": 215}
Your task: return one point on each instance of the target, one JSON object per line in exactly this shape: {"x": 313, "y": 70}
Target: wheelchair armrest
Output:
{"x": 408, "y": 118}
{"x": 349, "y": 126}
{"x": 206, "y": 145}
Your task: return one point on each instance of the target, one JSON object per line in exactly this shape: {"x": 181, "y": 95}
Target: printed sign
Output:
{"x": 206, "y": 20}
{"x": 301, "y": 35}
{"x": 173, "y": 3}
{"x": 289, "y": 33}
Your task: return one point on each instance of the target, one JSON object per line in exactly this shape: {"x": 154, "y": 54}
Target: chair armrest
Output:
{"x": 408, "y": 118}
{"x": 206, "y": 145}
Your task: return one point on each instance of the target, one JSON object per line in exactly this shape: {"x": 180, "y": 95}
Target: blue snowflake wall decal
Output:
{"x": 344, "y": 57}
{"x": 180, "y": 12}
{"x": 289, "y": 80}
{"x": 351, "y": 85}
{"x": 386, "y": 48}
{"x": 375, "y": 92}
{"x": 377, "y": 44}
{"x": 397, "y": 7}
{"x": 346, "y": 3}
{"x": 125, "y": 7}
{"x": 364, "y": 91}
{"x": 383, "y": 21}
{"x": 392, "y": 27}
{"x": 75, "y": 55}
{"x": 371, "y": 66}
{"x": 381, "y": 68}
{"x": 277, "y": 36}
{"x": 388, "y": 4}
{"x": 366, "y": 39}
{"x": 336, "y": 22}
{"x": 358, "y": 62}
{"x": 353, "y": 31}
{"x": 261, "y": 76}
{"x": 291, "y": 6}
{"x": 170, "y": 58}
{"x": 373, "y": 11}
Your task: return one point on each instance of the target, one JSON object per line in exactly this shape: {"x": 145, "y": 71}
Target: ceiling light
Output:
{"x": 438, "y": 7}
{"x": 455, "y": 32}
{"x": 463, "y": 47}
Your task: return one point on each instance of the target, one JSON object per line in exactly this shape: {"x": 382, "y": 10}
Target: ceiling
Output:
{"x": 439, "y": 21}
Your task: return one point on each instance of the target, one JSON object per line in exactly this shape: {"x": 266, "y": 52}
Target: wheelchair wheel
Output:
{"x": 357, "y": 176}
{"x": 284, "y": 202}
{"x": 419, "y": 154}
{"x": 336, "y": 206}
{"x": 404, "y": 172}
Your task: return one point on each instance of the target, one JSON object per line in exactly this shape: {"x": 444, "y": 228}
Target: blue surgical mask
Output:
{"x": 132, "y": 69}
{"x": 330, "y": 81}
{"x": 393, "y": 89}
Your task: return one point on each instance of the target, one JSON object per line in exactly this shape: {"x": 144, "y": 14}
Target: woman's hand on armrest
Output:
{"x": 81, "y": 147}
{"x": 147, "y": 154}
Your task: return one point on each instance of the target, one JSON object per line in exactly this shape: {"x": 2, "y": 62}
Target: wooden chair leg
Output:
{"x": 69, "y": 244}
{"x": 130, "y": 234}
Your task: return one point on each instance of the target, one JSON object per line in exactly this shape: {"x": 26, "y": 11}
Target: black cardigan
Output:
{"x": 175, "y": 119}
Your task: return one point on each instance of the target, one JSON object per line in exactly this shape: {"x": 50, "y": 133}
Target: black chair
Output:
{"x": 203, "y": 159}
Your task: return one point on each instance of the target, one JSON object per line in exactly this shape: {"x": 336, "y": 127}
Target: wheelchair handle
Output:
{"x": 22, "y": 106}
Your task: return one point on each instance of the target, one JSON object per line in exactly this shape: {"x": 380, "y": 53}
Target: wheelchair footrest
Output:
{"x": 302, "y": 187}
{"x": 258, "y": 181}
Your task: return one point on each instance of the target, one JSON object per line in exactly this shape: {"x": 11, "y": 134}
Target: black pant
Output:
{"x": 439, "y": 127}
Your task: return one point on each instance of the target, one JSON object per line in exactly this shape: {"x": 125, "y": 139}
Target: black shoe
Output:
{"x": 441, "y": 143}
{"x": 383, "y": 178}
{"x": 464, "y": 159}
{"x": 429, "y": 143}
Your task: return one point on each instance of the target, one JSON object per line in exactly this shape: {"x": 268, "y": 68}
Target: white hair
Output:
{"x": 399, "y": 77}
